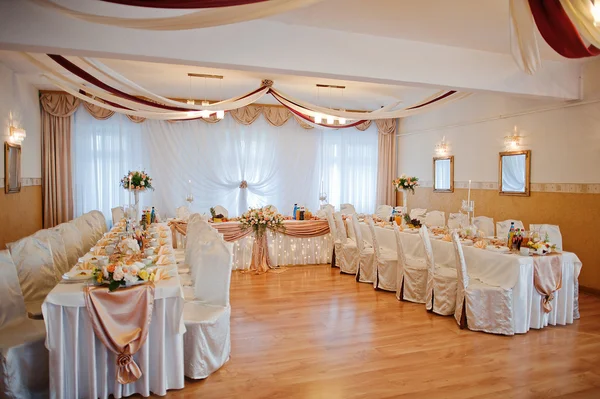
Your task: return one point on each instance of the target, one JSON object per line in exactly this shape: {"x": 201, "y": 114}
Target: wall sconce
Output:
{"x": 512, "y": 142}
{"x": 442, "y": 147}
{"x": 17, "y": 135}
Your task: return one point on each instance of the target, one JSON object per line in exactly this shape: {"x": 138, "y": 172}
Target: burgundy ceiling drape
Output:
{"x": 558, "y": 31}
{"x": 183, "y": 4}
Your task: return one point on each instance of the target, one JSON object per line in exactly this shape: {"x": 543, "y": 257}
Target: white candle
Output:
{"x": 321, "y": 186}
{"x": 469, "y": 196}
{"x": 190, "y": 186}
{"x": 129, "y": 208}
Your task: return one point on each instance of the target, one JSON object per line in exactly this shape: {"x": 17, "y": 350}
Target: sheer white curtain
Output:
{"x": 280, "y": 165}
{"x": 103, "y": 152}
{"x": 349, "y": 167}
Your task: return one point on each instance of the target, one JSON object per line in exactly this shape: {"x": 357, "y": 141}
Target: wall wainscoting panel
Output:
{"x": 26, "y": 181}
{"x": 20, "y": 213}
{"x": 576, "y": 188}
{"x": 577, "y": 214}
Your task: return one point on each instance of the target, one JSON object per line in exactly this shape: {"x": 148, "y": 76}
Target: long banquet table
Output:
{"x": 511, "y": 271}
{"x": 82, "y": 367}
{"x": 284, "y": 249}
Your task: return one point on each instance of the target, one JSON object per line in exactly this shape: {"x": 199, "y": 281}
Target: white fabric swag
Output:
{"x": 281, "y": 165}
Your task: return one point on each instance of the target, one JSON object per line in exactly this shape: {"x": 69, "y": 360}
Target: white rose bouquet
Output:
{"x": 129, "y": 246}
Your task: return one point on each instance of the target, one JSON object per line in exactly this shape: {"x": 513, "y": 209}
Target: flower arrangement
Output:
{"x": 541, "y": 247}
{"x": 259, "y": 219}
{"x": 405, "y": 183}
{"x": 129, "y": 246}
{"x": 121, "y": 274}
{"x": 136, "y": 180}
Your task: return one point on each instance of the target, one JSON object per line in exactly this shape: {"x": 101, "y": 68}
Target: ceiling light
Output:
{"x": 318, "y": 118}
{"x": 342, "y": 121}
{"x": 17, "y": 134}
{"x": 205, "y": 113}
{"x": 191, "y": 102}
{"x": 220, "y": 114}
{"x": 596, "y": 13}
{"x": 330, "y": 119}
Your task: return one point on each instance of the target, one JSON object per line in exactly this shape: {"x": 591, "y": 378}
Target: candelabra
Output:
{"x": 469, "y": 207}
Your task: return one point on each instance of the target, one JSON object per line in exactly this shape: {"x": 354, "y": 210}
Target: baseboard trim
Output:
{"x": 588, "y": 290}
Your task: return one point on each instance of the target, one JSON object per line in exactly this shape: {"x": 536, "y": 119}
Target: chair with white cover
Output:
{"x": 99, "y": 217}
{"x": 411, "y": 274}
{"x": 347, "y": 209}
{"x": 553, "y": 232}
{"x": 72, "y": 240}
{"x": 435, "y": 219}
{"x": 384, "y": 212}
{"x": 485, "y": 224}
{"x": 220, "y": 210}
{"x": 207, "y": 341}
{"x": 479, "y": 306}
{"x": 87, "y": 232}
{"x": 59, "y": 251}
{"x": 118, "y": 214}
{"x": 95, "y": 224}
{"x": 349, "y": 257}
{"x": 385, "y": 265}
{"x": 457, "y": 221}
{"x": 366, "y": 264}
{"x": 182, "y": 212}
{"x": 441, "y": 281}
{"x": 418, "y": 213}
{"x": 23, "y": 356}
{"x": 337, "y": 242}
{"x": 35, "y": 268}
{"x": 502, "y": 228}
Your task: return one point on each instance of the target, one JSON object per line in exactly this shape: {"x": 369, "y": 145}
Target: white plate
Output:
{"x": 76, "y": 275}
{"x": 437, "y": 236}
{"x": 411, "y": 231}
{"x": 466, "y": 243}
{"x": 494, "y": 249}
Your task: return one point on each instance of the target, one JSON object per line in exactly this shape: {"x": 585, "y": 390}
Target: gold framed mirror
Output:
{"x": 12, "y": 168}
{"x": 514, "y": 172}
{"x": 443, "y": 174}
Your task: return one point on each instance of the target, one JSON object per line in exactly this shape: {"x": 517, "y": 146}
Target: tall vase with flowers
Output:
{"x": 259, "y": 220}
{"x": 136, "y": 182}
{"x": 405, "y": 184}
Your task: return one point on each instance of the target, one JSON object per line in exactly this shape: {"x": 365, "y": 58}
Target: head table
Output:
{"x": 304, "y": 242}
{"x": 506, "y": 270}
{"x": 81, "y": 366}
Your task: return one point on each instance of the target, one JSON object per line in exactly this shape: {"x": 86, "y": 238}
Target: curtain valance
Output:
{"x": 65, "y": 104}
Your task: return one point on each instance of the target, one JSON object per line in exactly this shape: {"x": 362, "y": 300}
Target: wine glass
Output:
{"x": 190, "y": 198}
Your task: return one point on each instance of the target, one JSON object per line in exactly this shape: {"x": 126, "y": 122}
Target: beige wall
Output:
{"x": 20, "y": 213}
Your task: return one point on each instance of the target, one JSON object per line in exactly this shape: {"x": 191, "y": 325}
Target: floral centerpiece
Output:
{"x": 136, "y": 180}
{"x": 259, "y": 219}
{"x": 129, "y": 246}
{"x": 405, "y": 183}
{"x": 541, "y": 247}
{"x": 120, "y": 274}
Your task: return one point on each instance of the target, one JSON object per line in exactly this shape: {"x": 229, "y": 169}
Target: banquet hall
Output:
{"x": 299, "y": 198}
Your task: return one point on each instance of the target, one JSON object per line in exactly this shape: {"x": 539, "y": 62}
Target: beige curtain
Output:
{"x": 386, "y": 164}
{"x": 57, "y": 112}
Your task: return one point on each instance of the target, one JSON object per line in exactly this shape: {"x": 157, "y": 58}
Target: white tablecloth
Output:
{"x": 82, "y": 367}
{"x": 501, "y": 270}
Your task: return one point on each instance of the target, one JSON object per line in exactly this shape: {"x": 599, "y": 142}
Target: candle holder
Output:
{"x": 190, "y": 198}
{"x": 469, "y": 207}
{"x": 323, "y": 198}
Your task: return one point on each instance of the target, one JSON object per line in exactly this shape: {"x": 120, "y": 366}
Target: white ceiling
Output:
{"x": 475, "y": 24}
{"x": 172, "y": 81}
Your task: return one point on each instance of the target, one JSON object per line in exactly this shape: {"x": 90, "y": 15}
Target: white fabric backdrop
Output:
{"x": 281, "y": 165}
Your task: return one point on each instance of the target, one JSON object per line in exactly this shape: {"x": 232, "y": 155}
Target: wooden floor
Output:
{"x": 312, "y": 333}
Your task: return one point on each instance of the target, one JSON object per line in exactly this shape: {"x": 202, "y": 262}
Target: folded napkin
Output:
{"x": 480, "y": 244}
{"x": 160, "y": 274}
{"x": 447, "y": 237}
{"x": 163, "y": 241}
{"x": 86, "y": 266}
{"x": 163, "y": 234}
{"x": 164, "y": 250}
{"x": 99, "y": 251}
{"x": 163, "y": 260}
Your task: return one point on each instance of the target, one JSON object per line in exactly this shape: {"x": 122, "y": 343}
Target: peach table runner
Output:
{"x": 234, "y": 231}
{"x": 121, "y": 320}
{"x": 547, "y": 277}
